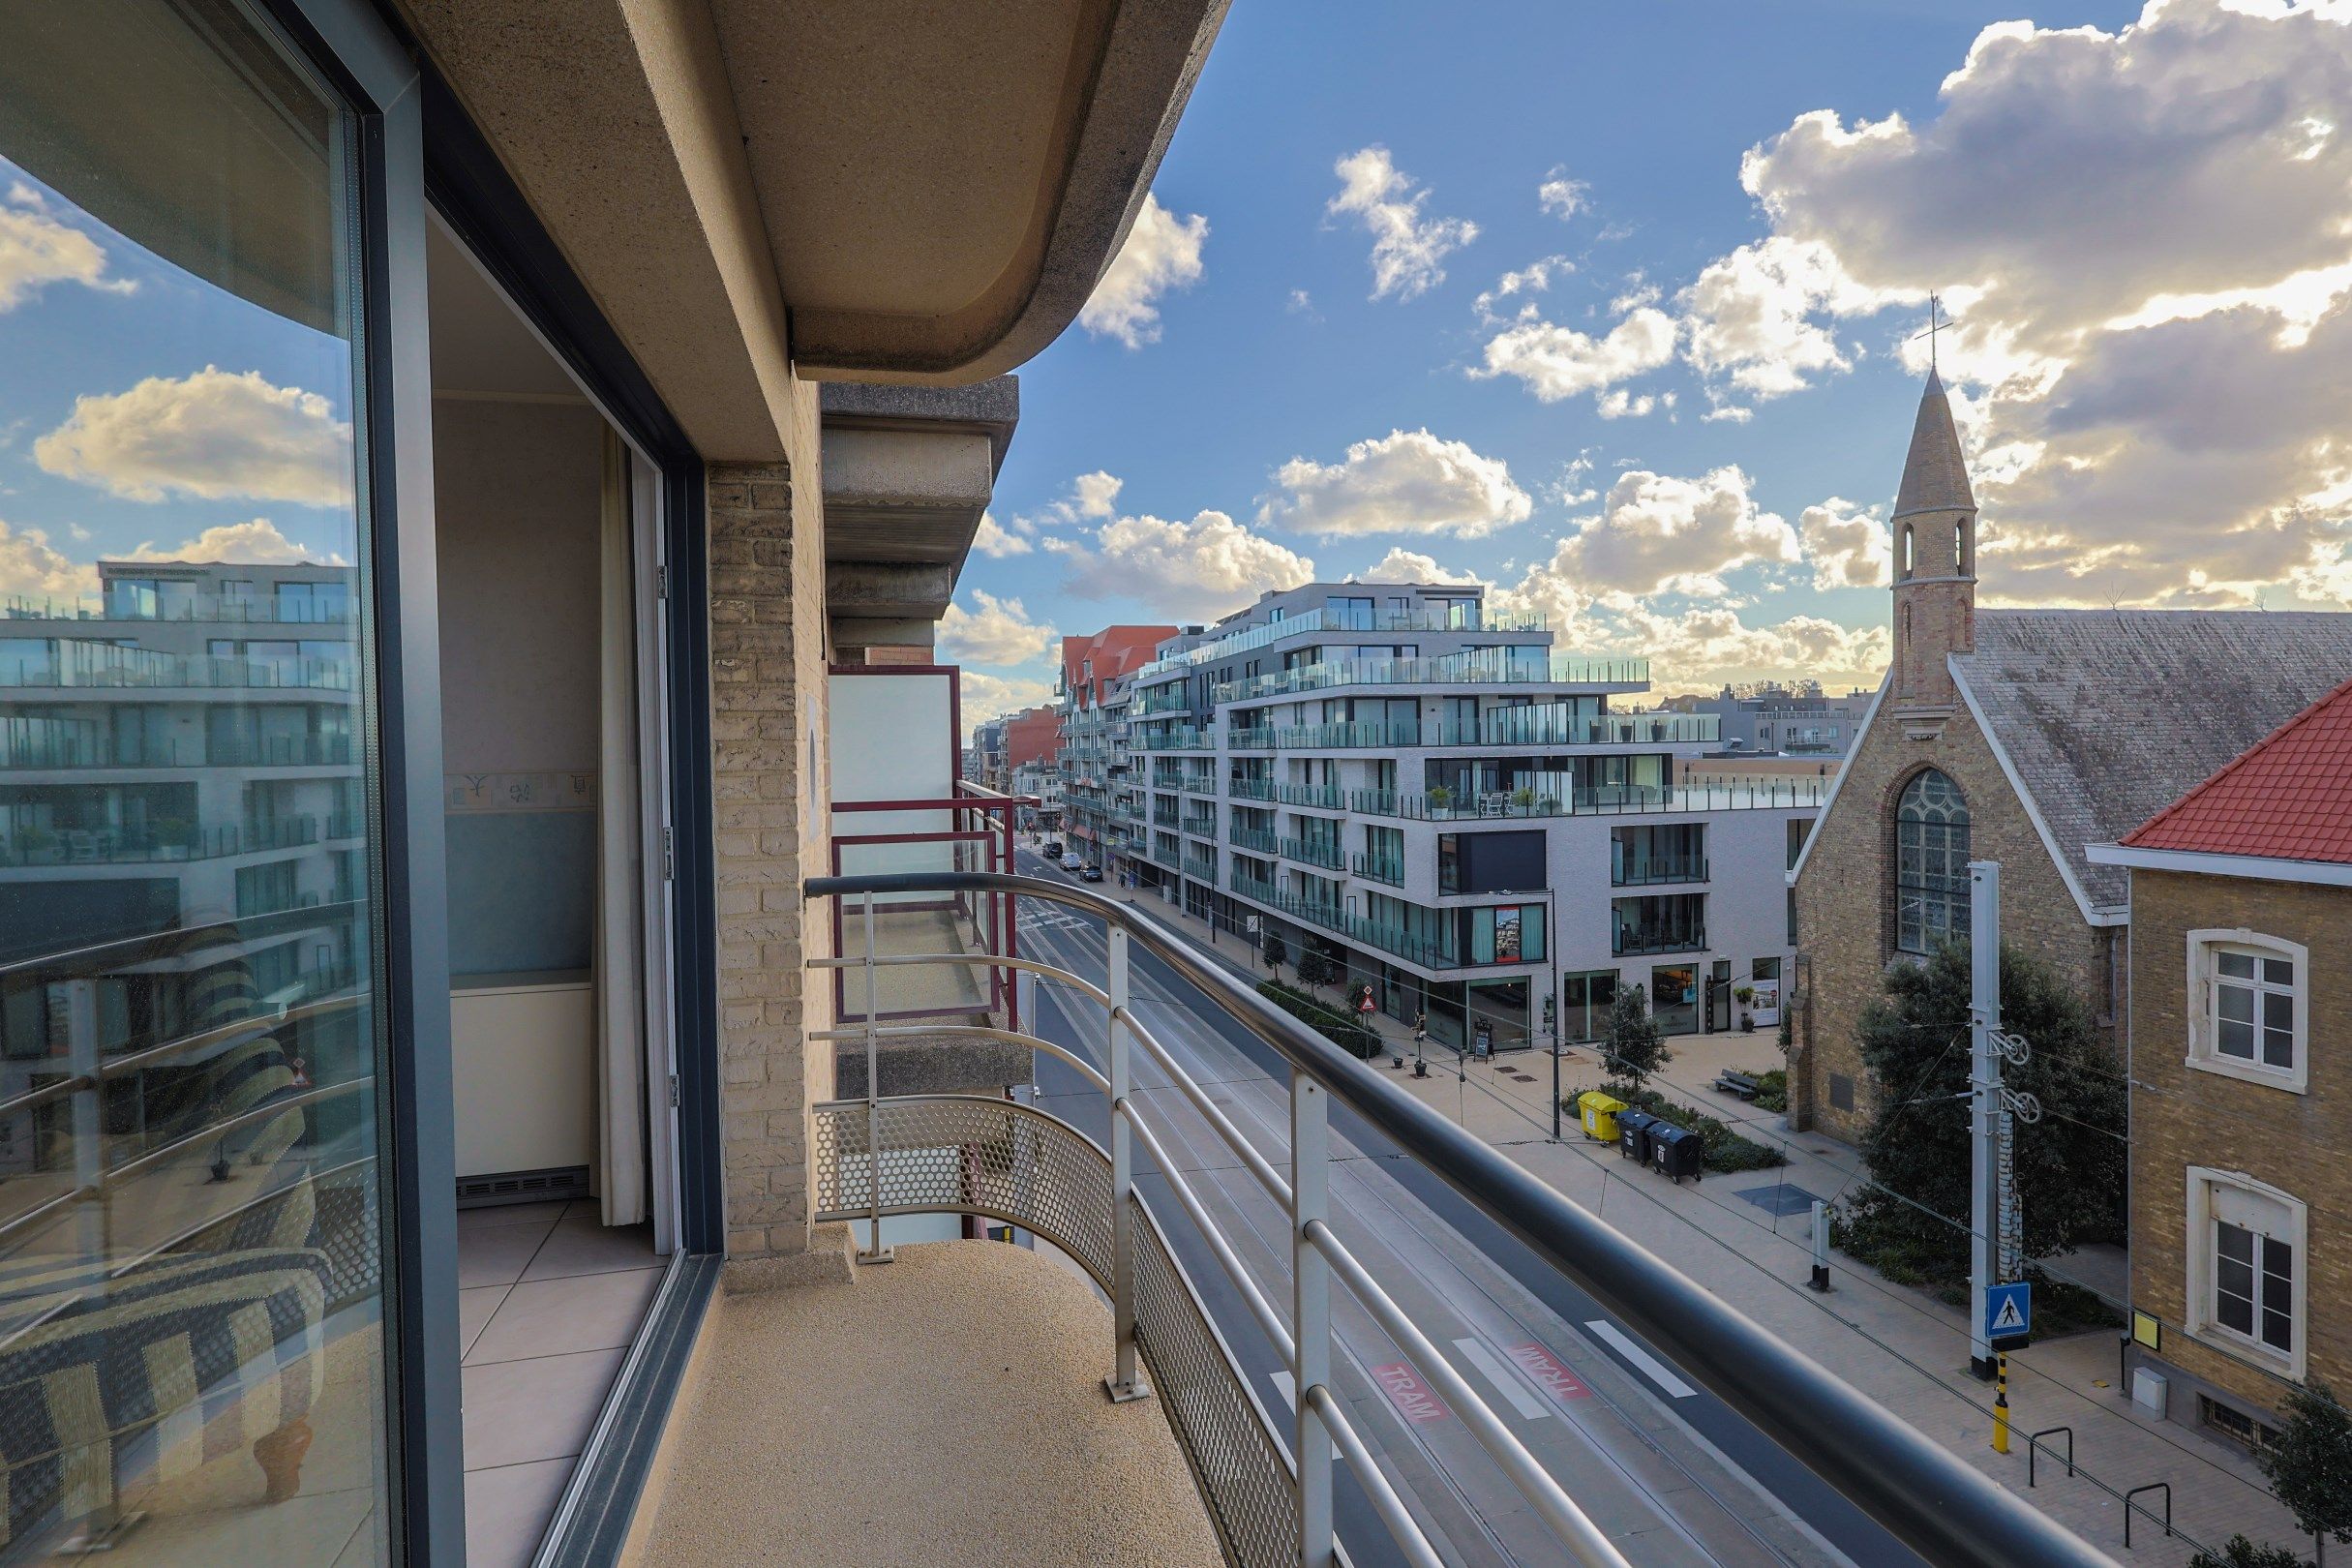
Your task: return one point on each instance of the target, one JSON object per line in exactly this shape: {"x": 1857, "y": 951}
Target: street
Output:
{"x": 1665, "y": 1470}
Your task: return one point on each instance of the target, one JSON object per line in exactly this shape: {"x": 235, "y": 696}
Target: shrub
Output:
{"x": 1351, "y": 1037}
{"x": 1773, "y": 1090}
{"x": 1722, "y": 1150}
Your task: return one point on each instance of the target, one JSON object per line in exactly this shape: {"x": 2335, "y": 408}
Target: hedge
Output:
{"x": 1724, "y": 1151}
{"x": 1351, "y": 1037}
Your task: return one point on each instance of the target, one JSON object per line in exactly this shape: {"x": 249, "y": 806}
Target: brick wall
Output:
{"x": 1845, "y": 904}
{"x": 767, "y": 696}
{"x": 2182, "y": 1116}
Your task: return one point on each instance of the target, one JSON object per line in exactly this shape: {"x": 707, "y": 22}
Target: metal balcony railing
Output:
{"x": 1380, "y": 869}
{"x": 1318, "y": 796}
{"x": 1613, "y": 799}
{"x": 1653, "y": 939}
{"x": 1250, "y": 788}
{"x": 1272, "y": 1502}
{"x": 1650, "y": 870}
{"x": 1320, "y": 852}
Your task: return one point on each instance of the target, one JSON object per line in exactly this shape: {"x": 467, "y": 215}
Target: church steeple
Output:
{"x": 1935, "y": 476}
{"x": 1935, "y": 558}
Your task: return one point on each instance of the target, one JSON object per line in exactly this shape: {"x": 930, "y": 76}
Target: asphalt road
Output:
{"x": 1671, "y": 1474}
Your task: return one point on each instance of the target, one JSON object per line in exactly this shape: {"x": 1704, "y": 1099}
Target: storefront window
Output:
{"x": 1585, "y": 1002}
{"x": 193, "y": 1356}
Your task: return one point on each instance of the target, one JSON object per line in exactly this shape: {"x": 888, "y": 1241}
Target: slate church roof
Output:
{"x": 2105, "y": 717}
{"x": 2290, "y": 799}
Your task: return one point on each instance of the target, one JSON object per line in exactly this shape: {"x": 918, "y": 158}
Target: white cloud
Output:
{"x": 1623, "y": 404}
{"x": 1161, "y": 252}
{"x": 1699, "y": 649}
{"x": 1532, "y": 279}
{"x": 994, "y": 631}
{"x": 1404, "y": 482}
{"x": 1656, "y": 532}
{"x": 1557, "y": 362}
{"x": 1562, "y": 197}
{"x": 36, "y": 249}
{"x": 1407, "y": 248}
{"x": 258, "y": 543}
{"x": 2147, "y": 237}
{"x": 1847, "y": 545}
{"x": 993, "y": 539}
{"x": 32, "y": 569}
{"x": 1195, "y": 569}
{"x": 212, "y": 434}
{"x": 1401, "y": 565}
{"x": 1749, "y": 317}
{"x": 1092, "y": 497}
{"x": 986, "y": 696}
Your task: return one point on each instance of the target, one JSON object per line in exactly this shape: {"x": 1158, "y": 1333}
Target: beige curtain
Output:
{"x": 621, "y": 1073}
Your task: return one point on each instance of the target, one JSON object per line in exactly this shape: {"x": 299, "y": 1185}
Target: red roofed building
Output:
{"x": 1100, "y": 800}
{"x": 2240, "y": 1016}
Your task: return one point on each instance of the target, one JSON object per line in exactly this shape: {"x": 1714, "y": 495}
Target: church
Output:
{"x": 2017, "y": 735}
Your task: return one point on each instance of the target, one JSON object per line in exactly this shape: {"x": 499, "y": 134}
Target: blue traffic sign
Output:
{"x": 2008, "y": 1311}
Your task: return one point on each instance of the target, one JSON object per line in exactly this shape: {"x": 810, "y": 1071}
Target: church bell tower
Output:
{"x": 1935, "y": 561}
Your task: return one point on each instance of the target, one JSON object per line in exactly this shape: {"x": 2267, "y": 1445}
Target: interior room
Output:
{"x": 546, "y": 565}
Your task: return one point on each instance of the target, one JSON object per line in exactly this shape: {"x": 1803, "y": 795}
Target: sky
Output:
{"x": 147, "y": 413}
{"x": 1616, "y": 308}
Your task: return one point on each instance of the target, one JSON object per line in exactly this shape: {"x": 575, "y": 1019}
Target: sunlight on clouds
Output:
{"x": 1407, "y": 247}
{"x": 1190, "y": 570}
{"x": 1405, "y": 482}
{"x": 37, "y": 250}
{"x": 993, "y": 631}
{"x": 1161, "y": 252}
{"x": 212, "y": 436}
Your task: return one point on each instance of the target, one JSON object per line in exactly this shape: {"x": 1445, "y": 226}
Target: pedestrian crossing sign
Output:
{"x": 2008, "y": 1312}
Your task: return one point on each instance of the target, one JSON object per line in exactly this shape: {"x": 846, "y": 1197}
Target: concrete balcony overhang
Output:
{"x": 908, "y": 473}
{"x": 917, "y": 193}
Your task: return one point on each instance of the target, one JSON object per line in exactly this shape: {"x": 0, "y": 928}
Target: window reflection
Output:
{"x": 190, "y": 1352}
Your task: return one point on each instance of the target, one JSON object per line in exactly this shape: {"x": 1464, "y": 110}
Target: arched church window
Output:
{"x": 1931, "y": 863}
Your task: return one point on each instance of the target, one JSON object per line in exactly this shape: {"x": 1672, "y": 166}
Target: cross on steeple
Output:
{"x": 1934, "y": 303}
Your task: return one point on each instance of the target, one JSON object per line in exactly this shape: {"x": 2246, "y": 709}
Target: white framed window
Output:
{"x": 2249, "y": 1007}
{"x": 2246, "y": 1268}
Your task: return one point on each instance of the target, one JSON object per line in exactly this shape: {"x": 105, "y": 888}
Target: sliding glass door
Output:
{"x": 198, "y": 1347}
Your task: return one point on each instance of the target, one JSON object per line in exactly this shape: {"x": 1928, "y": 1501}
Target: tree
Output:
{"x": 1315, "y": 968}
{"x": 2309, "y": 1464}
{"x": 1636, "y": 1049}
{"x": 2070, "y": 1165}
{"x": 1277, "y": 954}
{"x": 2241, "y": 1553}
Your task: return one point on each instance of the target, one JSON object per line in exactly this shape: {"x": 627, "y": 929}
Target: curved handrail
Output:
{"x": 1923, "y": 1495}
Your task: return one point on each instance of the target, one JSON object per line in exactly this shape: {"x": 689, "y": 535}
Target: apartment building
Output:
{"x": 1102, "y": 805}
{"x": 1474, "y": 824}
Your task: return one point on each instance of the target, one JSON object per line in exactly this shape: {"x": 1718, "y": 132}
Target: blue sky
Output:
{"x": 144, "y": 410}
{"x": 2018, "y": 179}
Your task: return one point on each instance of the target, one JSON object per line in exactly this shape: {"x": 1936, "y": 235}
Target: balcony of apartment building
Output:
{"x": 1656, "y": 855}
{"x": 1535, "y": 668}
{"x": 1200, "y": 824}
{"x": 1553, "y": 797}
{"x": 1665, "y": 922}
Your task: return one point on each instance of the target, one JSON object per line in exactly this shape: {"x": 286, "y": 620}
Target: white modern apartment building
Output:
{"x": 1429, "y": 794}
{"x": 178, "y": 749}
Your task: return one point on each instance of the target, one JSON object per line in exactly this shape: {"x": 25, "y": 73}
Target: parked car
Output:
{"x": 1070, "y": 862}
{"x": 1093, "y": 873}
{"x": 1051, "y": 848}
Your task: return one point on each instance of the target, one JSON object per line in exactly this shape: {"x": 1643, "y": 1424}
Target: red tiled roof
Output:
{"x": 2286, "y": 797}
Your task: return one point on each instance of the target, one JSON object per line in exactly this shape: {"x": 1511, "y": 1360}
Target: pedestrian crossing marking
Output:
{"x": 1506, "y": 1382}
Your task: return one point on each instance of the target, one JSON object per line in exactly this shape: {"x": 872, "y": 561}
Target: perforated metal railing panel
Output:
{"x": 965, "y": 1155}
{"x": 1247, "y": 1478}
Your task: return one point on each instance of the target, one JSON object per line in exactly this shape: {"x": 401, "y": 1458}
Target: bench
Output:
{"x": 1734, "y": 1083}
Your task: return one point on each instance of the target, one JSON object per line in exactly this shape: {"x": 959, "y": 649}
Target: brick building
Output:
{"x": 2018, "y": 736}
{"x": 2240, "y": 910}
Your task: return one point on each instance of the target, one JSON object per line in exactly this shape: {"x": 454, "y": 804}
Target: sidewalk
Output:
{"x": 1746, "y": 1239}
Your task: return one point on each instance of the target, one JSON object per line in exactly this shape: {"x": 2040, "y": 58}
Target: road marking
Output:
{"x": 1623, "y": 1344}
{"x": 1414, "y": 1400}
{"x": 1505, "y": 1381}
{"x": 1548, "y": 1372}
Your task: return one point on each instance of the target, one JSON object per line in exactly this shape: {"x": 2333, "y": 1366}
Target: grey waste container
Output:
{"x": 1673, "y": 1151}
{"x": 1633, "y": 1135}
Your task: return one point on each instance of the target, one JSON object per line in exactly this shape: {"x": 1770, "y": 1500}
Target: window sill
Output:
{"x": 2247, "y": 1352}
{"x": 2223, "y": 1067}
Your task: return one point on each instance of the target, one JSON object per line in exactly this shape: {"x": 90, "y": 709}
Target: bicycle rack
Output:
{"x": 2164, "y": 1486}
{"x": 2033, "y": 1446}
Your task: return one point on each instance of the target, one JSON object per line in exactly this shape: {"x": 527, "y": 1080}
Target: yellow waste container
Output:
{"x": 1600, "y": 1115}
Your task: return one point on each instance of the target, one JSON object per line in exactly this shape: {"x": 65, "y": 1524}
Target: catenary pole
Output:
{"x": 1984, "y": 1085}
